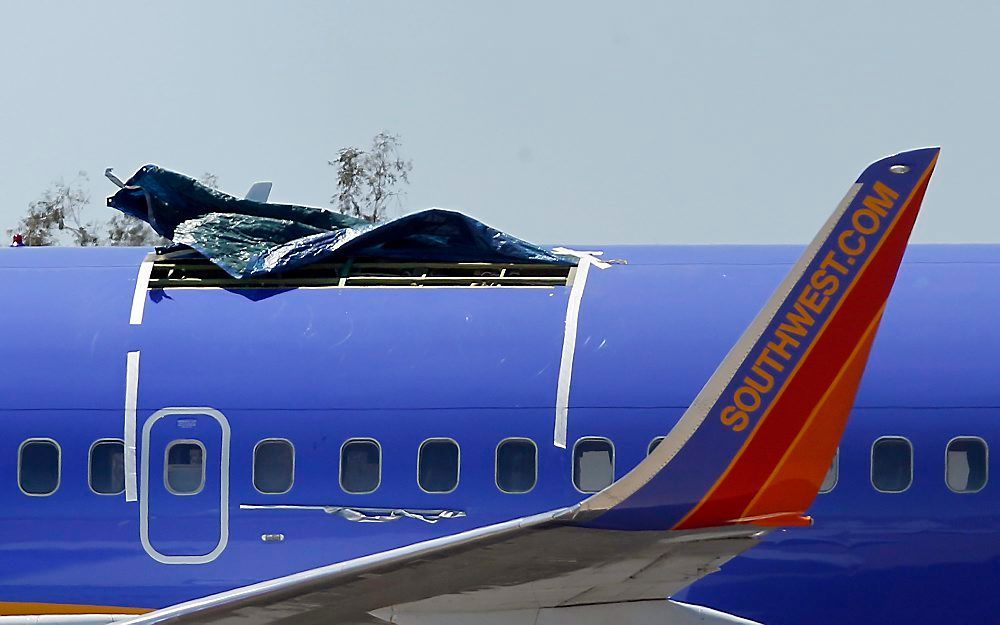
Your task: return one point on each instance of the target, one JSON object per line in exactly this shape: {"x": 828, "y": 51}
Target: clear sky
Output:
{"x": 603, "y": 122}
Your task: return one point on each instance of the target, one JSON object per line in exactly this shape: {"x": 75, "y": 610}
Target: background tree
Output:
{"x": 125, "y": 230}
{"x": 36, "y": 226}
{"x": 367, "y": 181}
{"x": 210, "y": 180}
{"x": 57, "y": 216}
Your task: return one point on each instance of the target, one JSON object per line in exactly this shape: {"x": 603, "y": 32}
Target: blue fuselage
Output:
{"x": 397, "y": 365}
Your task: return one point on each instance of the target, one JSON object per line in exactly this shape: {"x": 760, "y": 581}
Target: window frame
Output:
{"x": 90, "y": 465}
{"x": 496, "y": 465}
{"x": 573, "y": 461}
{"x": 871, "y": 470}
{"x": 836, "y": 474}
{"x": 166, "y": 465}
{"x": 340, "y": 464}
{"x": 458, "y": 473}
{"x": 20, "y": 451}
{"x": 656, "y": 440}
{"x": 986, "y": 448}
{"x": 253, "y": 464}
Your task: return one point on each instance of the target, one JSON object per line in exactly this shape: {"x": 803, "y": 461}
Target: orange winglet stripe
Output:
{"x": 784, "y": 519}
{"x": 799, "y": 475}
{"x": 8, "y": 608}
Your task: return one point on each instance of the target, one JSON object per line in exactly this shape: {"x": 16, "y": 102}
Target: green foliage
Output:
{"x": 125, "y": 230}
{"x": 367, "y": 181}
{"x": 56, "y": 218}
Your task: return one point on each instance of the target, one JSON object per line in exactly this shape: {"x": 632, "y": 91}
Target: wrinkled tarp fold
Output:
{"x": 248, "y": 238}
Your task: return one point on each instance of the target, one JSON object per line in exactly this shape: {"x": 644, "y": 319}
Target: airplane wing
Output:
{"x": 525, "y": 564}
{"x": 747, "y": 456}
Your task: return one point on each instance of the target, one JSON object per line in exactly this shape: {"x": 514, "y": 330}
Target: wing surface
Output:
{"x": 748, "y": 455}
{"x": 495, "y": 568}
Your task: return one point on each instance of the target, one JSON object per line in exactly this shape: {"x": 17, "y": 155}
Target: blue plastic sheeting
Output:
{"x": 248, "y": 238}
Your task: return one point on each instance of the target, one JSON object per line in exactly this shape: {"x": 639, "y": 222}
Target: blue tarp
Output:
{"x": 248, "y": 238}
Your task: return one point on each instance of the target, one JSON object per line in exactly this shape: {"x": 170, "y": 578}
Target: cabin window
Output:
{"x": 892, "y": 464}
{"x": 437, "y": 465}
{"x": 653, "y": 444}
{"x": 832, "y": 474}
{"x": 273, "y": 466}
{"x": 966, "y": 467}
{"x": 360, "y": 466}
{"x": 107, "y": 467}
{"x": 38, "y": 466}
{"x": 185, "y": 467}
{"x": 517, "y": 465}
{"x": 593, "y": 464}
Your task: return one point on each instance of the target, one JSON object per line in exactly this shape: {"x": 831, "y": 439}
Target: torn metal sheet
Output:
{"x": 369, "y": 515}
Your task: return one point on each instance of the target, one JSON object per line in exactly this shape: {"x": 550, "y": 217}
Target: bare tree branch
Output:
{"x": 209, "y": 180}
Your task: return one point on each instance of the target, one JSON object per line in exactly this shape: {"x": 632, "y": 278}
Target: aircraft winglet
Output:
{"x": 755, "y": 444}
{"x": 259, "y": 192}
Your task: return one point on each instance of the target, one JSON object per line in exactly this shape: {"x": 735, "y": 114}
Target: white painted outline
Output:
{"x": 458, "y": 468}
{"x": 253, "y": 464}
{"x": 496, "y": 464}
{"x": 139, "y": 296}
{"x": 572, "y": 459}
{"x": 340, "y": 465}
{"x": 90, "y": 465}
{"x": 131, "y": 407}
{"x": 986, "y": 449}
{"x": 223, "y": 488}
{"x": 166, "y": 465}
{"x": 579, "y": 279}
{"x": 871, "y": 473}
{"x": 20, "y": 450}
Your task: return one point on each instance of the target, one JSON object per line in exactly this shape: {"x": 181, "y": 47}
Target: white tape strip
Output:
{"x": 139, "y": 296}
{"x": 131, "y": 403}
{"x": 569, "y": 339}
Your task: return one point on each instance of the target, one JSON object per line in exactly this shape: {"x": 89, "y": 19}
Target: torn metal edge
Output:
{"x": 366, "y": 515}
